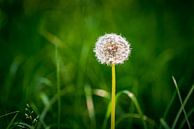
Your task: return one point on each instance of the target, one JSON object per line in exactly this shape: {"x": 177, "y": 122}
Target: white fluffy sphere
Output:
{"x": 112, "y": 49}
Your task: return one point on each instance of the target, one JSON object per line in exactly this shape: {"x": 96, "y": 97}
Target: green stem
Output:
{"x": 58, "y": 86}
{"x": 10, "y": 113}
{"x": 113, "y": 97}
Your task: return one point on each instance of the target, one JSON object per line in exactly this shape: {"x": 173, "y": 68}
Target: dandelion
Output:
{"x": 112, "y": 49}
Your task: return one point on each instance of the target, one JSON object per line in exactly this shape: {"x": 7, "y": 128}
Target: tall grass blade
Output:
{"x": 184, "y": 120}
{"x": 137, "y": 116}
{"x": 10, "y": 113}
{"x": 11, "y": 76}
{"x": 90, "y": 106}
{"x": 182, "y": 106}
{"x": 58, "y": 84}
{"x": 52, "y": 38}
{"x": 104, "y": 94}
{"x": 12, "y": 121}
{"x": 101, "y": 93}
{"x": 108, "y": 112}
{"x": 52, "y": 102}
{"x": 164, "y": 124}
{"x": 23, "y": 125}
{"x": 134, "y": 100}
{"x": 168, "y": 108}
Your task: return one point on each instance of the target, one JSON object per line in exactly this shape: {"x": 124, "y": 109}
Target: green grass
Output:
{"x": 89, "y": 93}
{"x": 182, "y": 108}
{"x": 58, "y": 87}
{"x": 47, "y": 61}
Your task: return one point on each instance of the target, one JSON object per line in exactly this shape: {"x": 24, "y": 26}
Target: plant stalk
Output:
{"x": 113, "y": 97}
{"x": 58, "y": 86}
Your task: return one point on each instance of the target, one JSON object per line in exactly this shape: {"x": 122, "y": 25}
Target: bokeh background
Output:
{"x": 161, "y": 33}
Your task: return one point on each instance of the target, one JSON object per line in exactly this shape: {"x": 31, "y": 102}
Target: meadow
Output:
{"x": 51, "y": 79}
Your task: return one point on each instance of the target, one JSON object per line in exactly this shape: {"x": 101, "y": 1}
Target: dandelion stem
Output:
{"x": 113, "y": 97}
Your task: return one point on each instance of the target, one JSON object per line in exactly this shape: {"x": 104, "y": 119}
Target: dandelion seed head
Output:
{"x": 112, "y": 49}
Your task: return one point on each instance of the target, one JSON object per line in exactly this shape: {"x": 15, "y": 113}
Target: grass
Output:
{"x": 90, "y": 106}
{"x": 140, "y": 116}
{"x": 47, "y": 61}
{"x": 92, "y": 114}
{"x": 182, "y": 108}
{"x": 58, "y": 86}
{"x": 146, "y": 122}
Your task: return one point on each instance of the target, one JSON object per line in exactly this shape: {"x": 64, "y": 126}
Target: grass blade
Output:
{"x": 136, "y": 116}
{"x": 9, "y": 114}
{"x": 107, "y": 115}
{"x": 104, "y": 94}
{"x": 168, "y": 108}
{"x": 23, "y": 125}
{"x": 164, "y": 124}
{"x": 43, "y": 114}
{"x": 58, "y": 85}
{"x": 182, "y": 105}
{"x": 101, "y": 93}
{"x": 90, "y": 106}
{"x": 134, "y": 100}
{"x": 12, "y": 121}
{"x": 184, "y": 120}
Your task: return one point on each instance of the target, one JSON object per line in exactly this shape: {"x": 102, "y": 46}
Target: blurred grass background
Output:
{"x": 161, "y": 35}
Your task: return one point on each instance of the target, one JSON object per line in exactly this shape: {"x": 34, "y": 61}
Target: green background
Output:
{"x": 161, "y": 34}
